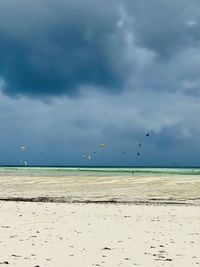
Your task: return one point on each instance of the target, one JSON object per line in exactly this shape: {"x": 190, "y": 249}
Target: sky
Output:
{"x": 75, "y": 74}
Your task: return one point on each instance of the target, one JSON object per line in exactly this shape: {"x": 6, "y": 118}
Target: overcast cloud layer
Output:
{"x": 74, "y": 74}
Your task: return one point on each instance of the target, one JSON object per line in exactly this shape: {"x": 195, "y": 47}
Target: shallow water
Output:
{"x": 139, "y": 185}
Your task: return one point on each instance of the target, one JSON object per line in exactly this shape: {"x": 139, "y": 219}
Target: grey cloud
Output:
{"x": 54, "y": 47}
{"x": 165, "y": 26}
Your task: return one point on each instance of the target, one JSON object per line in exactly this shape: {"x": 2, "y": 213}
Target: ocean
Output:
{"x": 112, "y": 185}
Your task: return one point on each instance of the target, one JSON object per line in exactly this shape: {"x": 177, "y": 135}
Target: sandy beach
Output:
{"x": 61, "y": 234}
{"x": 60, "y": 218}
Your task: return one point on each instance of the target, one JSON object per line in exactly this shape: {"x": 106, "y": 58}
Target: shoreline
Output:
{"x": 150, "y": 202}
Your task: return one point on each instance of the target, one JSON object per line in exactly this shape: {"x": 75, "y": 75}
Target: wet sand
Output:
{"x": 60, "y": 234}
{"x": 83, "y": 186}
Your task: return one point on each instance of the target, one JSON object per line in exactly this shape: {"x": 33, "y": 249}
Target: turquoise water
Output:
{"x": 134, "y": 185}
{"x": 144, "y": 170}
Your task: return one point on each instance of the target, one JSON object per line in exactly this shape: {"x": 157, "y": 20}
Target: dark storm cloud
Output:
{"x": 52, "y": 47}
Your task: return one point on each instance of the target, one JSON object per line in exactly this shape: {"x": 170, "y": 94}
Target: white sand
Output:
{"x": 80, "y": 235}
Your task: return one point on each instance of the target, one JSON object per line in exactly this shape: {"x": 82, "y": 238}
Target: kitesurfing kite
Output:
{"x": 22, "y": 148}
{"x": 147, "y": 133}
{"x": 139, "y": 144}
{"x": 102, "y": 145}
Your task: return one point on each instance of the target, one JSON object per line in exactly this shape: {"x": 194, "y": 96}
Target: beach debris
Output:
{"x": 107, "y": 248}
{"x": 12, "y": 236}
{"x": 22, "y": 148}
{"x": 102, "y": 145}
{"x": 4, "y": 262}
